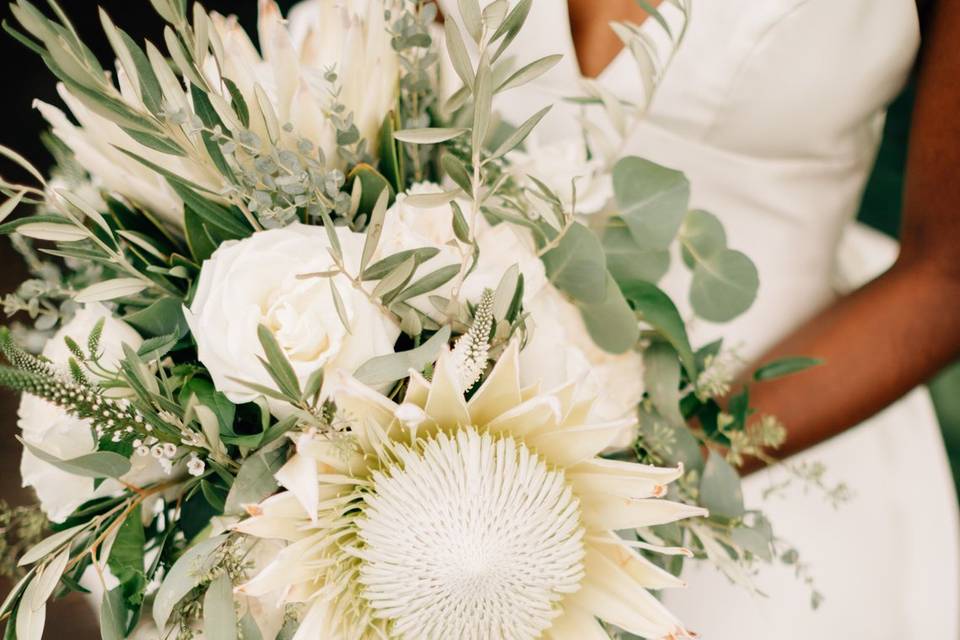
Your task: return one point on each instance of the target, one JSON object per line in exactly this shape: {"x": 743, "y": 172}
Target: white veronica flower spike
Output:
{"x": 483, "y": 518}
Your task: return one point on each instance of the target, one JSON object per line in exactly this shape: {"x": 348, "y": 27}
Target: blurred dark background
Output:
{"x": 25, "y": 79}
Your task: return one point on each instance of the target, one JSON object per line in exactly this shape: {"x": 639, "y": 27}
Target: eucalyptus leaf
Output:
{"x": 578, "y": 266}
{"x": 113, "y": 615}
{"x": 611, "y": 323}
{"x": 701, "y": 235}
{"x": 628, "y": 261}
{"x": 724, "y": 285}
{"x": 219, "y": 612}
{"x": 184, "y": 575}
{"x": 720, "y": 490}
{"x": 661, "y": 377}
{"x": 396, "y": 366}
{"x": 99, "y": 464}
{"x": 255, "y": 480}
{"x": 652, "y": 200}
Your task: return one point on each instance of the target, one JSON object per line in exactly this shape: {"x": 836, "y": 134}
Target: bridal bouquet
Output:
{"x": 313, "y": 356}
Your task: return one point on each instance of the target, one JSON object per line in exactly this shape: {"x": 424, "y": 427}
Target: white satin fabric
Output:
{"x": 773, "y": 109}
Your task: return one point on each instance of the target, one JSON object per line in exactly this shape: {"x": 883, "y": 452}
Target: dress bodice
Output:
{"x": 773, "y": 109}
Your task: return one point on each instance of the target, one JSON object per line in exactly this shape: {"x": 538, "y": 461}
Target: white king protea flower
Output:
{"x": 450, "y": 518}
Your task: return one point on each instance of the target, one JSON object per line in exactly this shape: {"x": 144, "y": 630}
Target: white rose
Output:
{"x": 57, "y": 432}
{"x": 256, "y": 281}
{"x": 501, "y": 246}
{"x": 560, "y": 349}
{"x": 558, "y": 164}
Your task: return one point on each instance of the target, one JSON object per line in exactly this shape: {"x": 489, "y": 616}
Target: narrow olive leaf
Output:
{"x": 529, "y": 72}
{"x": 459, "y": 57}
{"x": 396, "y": 279}
{"x": 431, "y": 200}
{"x": 457, "y": 100}
{"x": 455, "y": 168}
{"x": 150, "y": 91}
{"x": 267, "y": 113}
{"x": 381, "y": 268}
{"x": 494, "y": 14}
{"x": 111, "y": 290}
{"x": 374, "y": 229}
{"x": 23, "y": 162}
{"x": 332, "y": 236}
{"x": 219, "y": 612}
{"x": 48, "y": 578}
{"x": 339, "y": 306}
{"x": 517, "y": 137}
{"x": 186, "y": 573}
{"x": 121, "y": 51}
{"x": 30, "y": 621}
{"x": 784, "y": 367}
{"x": 314, "y": 384}
{"x": 201, "y": 31}
{"x": 472, "y": 18}
{"x": 238, "y": 102}
{"x": 426, "y": 284}
{"x": 510, "y": 27}
{"x": 11, "y": 204}
{"x": 143, "y": 242}
{"x": 14, "y": 594}
{"x": 48, "y": 545}
{"x": 482, "y": 102}
{"x": 431, "y": 135}
{"x": 181, "y": 57}
{"x": 396, "y": 366}
{"x": 53, "y": 231}
{"x": 460, "y": 227}
{"x": 84, "y": 208}
{"x": 165, "y": 10}
{"x": 170, "y": 86}
{"x": 505, "y": 292}
{"x": 99, "y": 464}
{"x": 279, "y": 367}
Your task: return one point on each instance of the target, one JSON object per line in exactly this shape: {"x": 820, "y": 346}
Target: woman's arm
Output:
{"x": 896, "y": 332}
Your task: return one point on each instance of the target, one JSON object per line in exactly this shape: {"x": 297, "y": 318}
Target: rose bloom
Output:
{"x": 560, "y": 164}
{"x": 257, "y": 281}
{"x": 52, "y": 429}
{"x": 560, "y": 348}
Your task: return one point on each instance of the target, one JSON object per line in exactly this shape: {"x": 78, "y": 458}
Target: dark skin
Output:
{"x": 896, "y": 332}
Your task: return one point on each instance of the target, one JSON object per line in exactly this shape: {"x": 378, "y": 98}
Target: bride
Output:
{"x": 773, "y": 109}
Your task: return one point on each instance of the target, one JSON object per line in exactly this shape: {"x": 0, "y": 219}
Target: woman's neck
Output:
{"x": 595, "y": 42}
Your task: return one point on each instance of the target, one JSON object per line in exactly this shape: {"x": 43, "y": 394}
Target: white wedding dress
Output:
{"x": 773, "y": 109}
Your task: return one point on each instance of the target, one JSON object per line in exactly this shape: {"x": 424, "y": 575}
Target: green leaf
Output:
{"x": 237, "y": 102}
{"x": 720, "y": 489}
{"x": 48, "y": 545}
{"x": 723, "y": 286}
{"x": 628, "y": 261}
{"x": 219, "y": 612}
{"x": 428, "y": 283}
{"x": 381, "y": 268}
{"x": 578, "y": 266}
{"x": 52, "y": 231}
{"x": 757, "y": 541}
{"x": 374, "y": 229}
{"x": 702, "y": 235}
{"x": 279, "y": 367}
{"x": 529, "y": 72}
{"x": 784, "y": 367}
{"x": 150, "y": 89}
{"x": 457, "y": 171}
{"x": 516, "y": 138}
{"x": 391, "y": 156}
{"x": 482, "y": 103}
{"x": 162, "y": 318}
{"x": 659, "y": 312}
{"x": 126, "y": 560}
{"x": 111, "y": 290}
{"x": 661, "y": 377}
{"x": 652, "y": 200}
{"x": 113, "y": 615}
{"x": 671, "y": 443}
{"x": 201, "y": 239}
{"x": 457, "y": 51}
{"x": 255, "y": 480}
{"x": 396, "y": 366}
{"x": 432, "y": 135}
{"x": 7, "y": 207}
{"x": 472, "y": 18}
{"x": 372, "y": 183}
{"x": 612, "y": 323}
{"x": 99, "y": 464}
{"x": 184, "y": 575}
{"x": 511, "y": 26}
